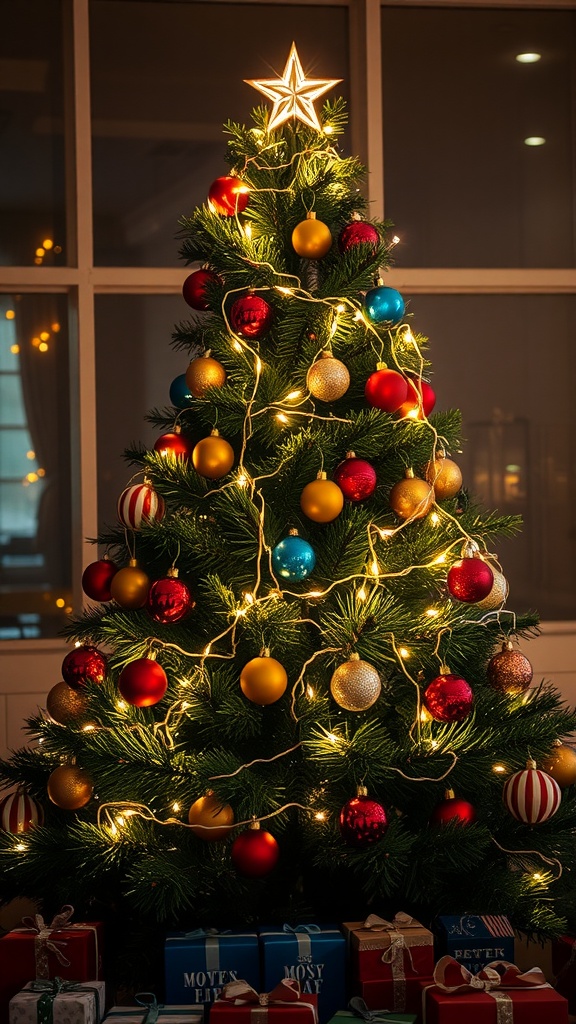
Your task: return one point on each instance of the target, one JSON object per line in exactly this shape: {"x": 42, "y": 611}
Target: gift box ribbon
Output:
{"x": 43, "y": 943}
{"x": 394, "y": 953}
{"x": 211, "y": 938}
{"x": 302, "y": 933}
{"x": 148, "y": 1000}
{"x": 359, "y": 1008}
{"x": 48, "y": 992}
{"x": 286, "y": 993}
{"x": 453, "y": 978}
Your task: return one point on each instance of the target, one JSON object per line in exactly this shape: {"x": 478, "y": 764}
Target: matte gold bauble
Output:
{"x": 498, "y": 594}
{"x": 263, "y": 680}
{"x": 65, "y": 705}
{"x": 355, "y": 685}
{"x": 213, "y": 818}
{"x": 412, "y": 497}
{"x": 561, "y": 764}
{"x": 311, "y": 238}
{"x": 445, "y": 477}
{"x": 213, "y": 457}
{"x": 129, "y": 586}
{"x": 204, "y": 373}
{"x": 509, "y": 670}
{"x": 322, "y": 500}
{"x": 328, "y": 378}
{"x": 70, "y": 787}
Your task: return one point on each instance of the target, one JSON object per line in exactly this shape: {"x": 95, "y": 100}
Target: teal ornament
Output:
{"x": 384, "y": 305}
{"x": 293, "y": 558}
{"x": 180, "y": 394}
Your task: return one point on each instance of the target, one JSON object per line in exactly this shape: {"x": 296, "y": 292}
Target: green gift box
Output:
{"x": 358, "y": 1011}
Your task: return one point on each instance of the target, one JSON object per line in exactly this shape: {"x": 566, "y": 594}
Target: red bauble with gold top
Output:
{"x": 453, "y": 809}
{"x": 356, "y": 478}
{"x": 85, "y": 664}
{"x": 254, "y": 852}
{"x": 174, "y": 445}
{"x": 143, "y": 682}
{"x": 362, "y": 820}
{"x": 228, "y": 195}
{"x": 169, "y": 599}
{"x": 97, "y": 577}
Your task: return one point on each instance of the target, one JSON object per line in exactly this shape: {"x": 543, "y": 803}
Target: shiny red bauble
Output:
{"x": 228, "y": 196}
{"x": 386, "y": 389}
{"x": 19, "y": 813}
{"x": 84, "y": 665}
{"x": 449, "y": 698}
{"x": 358, "y": 232}
{"x": 470, "y": 580}
{"x": 254, "y": 853}
{"x": 251, "y": 316}
{"x": 194, "y": 288}
{"x": 169, "y": 600}
{"x": 143, "y": 682}
{"x": 356, "y": 478}
{"x": 362, "y": 820}
{"x": 420, "y": 399}
{"x": 174, "y": 445}
{"x": 453, "y": 808}
{"x": 96, "y": 579}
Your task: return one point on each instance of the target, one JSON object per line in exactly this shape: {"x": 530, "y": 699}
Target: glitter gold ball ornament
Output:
{"x": 328, "y": 378}
{"x": 509, "y": 670}
{"x": 19, "y": 812}
{"x": 263, "y": 680}
{"x": 362, "y": 821}
{"x": 85, "y": 664}
{"x": 531, "y": 795}
{"x": 211, "y": 819}
{"x": 203, "y": 373}
{"x": 70, "y": 787}
{"x": 139, "y": 506}
{"x": 411, "y": 498}
{"x": 498, "y": 594}
{"x": 228, "y": 196}
{"x": 444, "y": 475}
{"x": 65, "y": 705}
{"x": 213, "y": 457}
{"x": 355, "y": 685}
{"x": 311, "y": 238}
{"x": 322, "y": 500}
{"x": 254, "y": 852}
{"x": 561, "y": 764}
{"x": 130, "y": 586}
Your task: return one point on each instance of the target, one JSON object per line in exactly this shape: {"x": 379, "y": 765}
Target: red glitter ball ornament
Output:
{"x": 169, "y": 599}
{"x": 254, "y": 852}
{"x": 84, "y": 665}
{"x": 362, "y": 820}
{"x": 194, "y": 288}
{"x": 143, "y": 682}
{"x": 449, "y": 698}
{"x": 251, "y": 316}
{"x": 470, "y": 580}
{"x": 356, "y": 478}
{"x": 420, "y": 399}
{"x": 174, "y": 444}
{"x": 97, "y": 577}
{"x": 358, "y": 232}
{"x": 453, "y": 808}
{"x": 386, "y": 389}
{"x": 228, "y": 196}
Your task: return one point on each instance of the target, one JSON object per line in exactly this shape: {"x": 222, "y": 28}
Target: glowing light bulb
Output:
{"x": 40, "y": 252}
{"x": 20, "y": 847}
{"x": 332, "y": 737}
{"x": 10, "y": 314}
{"x": 404, "y": 653}
{"x": 14, "y": 349}
{"x": 258, "y": 364}
{"x": 120, "y": 820}
{"x": 315, "y": 593}
{"x": 283, "y": 290}
{"x": 358, "y": 315}
{"x": 534, "y": 140}
{"x": 498, "y": 768}
{"x": 44, "y": 335}
{"x": 328, "y": 129}
{"x": 434, "y": 518}
{"x": 537, "y": 876}
{"x": 440, "y": 560}
{"x": 528, "y": 58}
{"x": 60, "y": 602}
{"x": 425, "y": 715}
{"x": 384, "y": 534}
{"x": 176, "y": 807}
{"x": 432, "y": 612}
{"x": 333, "y": 328}
{"x": 47, "y": 243}
{"x": 375, "y": 568}
{"x": 320, "y": 815}
{"x": 88, "y": 728}
{"x": 249, "y": 598}
{"x": 310, "y": 692}
{"x": 282, "y": 418}
{"x": 361, "y": 594}
{"x": 42, "y": 347}
{"x": 121, "y": 705}
{"x": 248, "y": 230}
{"x": 236, "y": 345}
{"x": 395, "y": 239}
{"x": 341, "y": 308}
{"x": 207, "y": 650}
{"x": 292, "y": 396}
{"x": 242, "y": 480}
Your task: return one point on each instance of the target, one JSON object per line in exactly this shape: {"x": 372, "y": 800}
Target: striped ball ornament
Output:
{"x": 531, "y": 795}
{"x": 139, "y": 506}
{"x": 19, "y": 812}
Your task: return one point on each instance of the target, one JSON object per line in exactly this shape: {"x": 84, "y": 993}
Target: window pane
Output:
{"x": 32, "y": 133}
{"x": 160, "y": 94}
{"x": 489, "y": 355}
{"x": 35, "y": 520}
{"x": 461, "y": 186}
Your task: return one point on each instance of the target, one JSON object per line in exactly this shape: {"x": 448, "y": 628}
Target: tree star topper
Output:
{"x": 293, "y": 94}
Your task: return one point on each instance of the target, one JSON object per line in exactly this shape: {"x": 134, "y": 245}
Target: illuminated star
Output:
{"x": 293, "y": 94}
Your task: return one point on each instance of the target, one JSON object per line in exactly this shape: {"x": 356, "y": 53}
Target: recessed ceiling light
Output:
{"x": 528, "y": 58}
{"x": 534, "y": 140}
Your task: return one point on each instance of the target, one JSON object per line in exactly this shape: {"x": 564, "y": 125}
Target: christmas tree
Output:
{"x": 298, "y": 692}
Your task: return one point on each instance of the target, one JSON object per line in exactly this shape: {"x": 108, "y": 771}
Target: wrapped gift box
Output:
{"x": 151, "y": 1011}
{"x": 71, "y": 1004}
{"x": 347, "y": 1017}
{"x": 199, "y": 963}
{"x": 476, "y": 940}
{"x": 529, "y": 1006}
{"x": 400, "y": 997}
{"x": 382, "y": 950}
{"x": 314, "y": 956}
{"x": 302, "y": 1011}
{"x": 564, "y": 968}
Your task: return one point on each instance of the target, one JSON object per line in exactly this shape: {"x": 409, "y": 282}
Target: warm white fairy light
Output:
{"x": 386, "y": 533}
{"x": 361, "y": 594}
{"x": 121, "y": 705}
{"x": 498, "y": 768}
{"x": 333, "y": 328}
{"x": 315, "y": 593}
{"x": 237, "y": 346}
{"x": 248, "y": 597}
{"x": 310, "y": 692}
{"x": 403, "y": 652}
{"x": 20, "y": 847}
{"x": 432, "y": 612}
{"x": 395, "y": 239}
{"x": 293, "y": 396}
{"x": 283, "y": 290}
{"x": 340, "y": 308}
{"x": 282, "y": 418}
{"x": 358, "y": 315}
{"x": 434, "y": 518}
{"x": 375, "y": 568}
{"x": 88, "y": 728}
{"x": 242, "y": 480}
{"x": 320, "y": 816}
{"x": 440, "y": 559}
{"x": 247, "y": 230}
{"x": 176, "y": 807}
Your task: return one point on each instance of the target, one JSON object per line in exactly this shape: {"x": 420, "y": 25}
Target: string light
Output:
{"x": 20, "y": 847}
{"x": 375, "y": 568}
{"x": 361, "y": 594}
{"x": 121, "y": 705}
{"x": 176, "y": 807}
{"x": 498, "y": 768}
{"x": 404, "y": 653}
{"x": 434, "y": 518}
{"x": 237, "y": 346}
{"x": 309, "y": 692}
{"x": 320, "y": 815}
{"x": 282, "y": 418}
{"x": 432, "y": 612}
{"x": 293, "y": 396}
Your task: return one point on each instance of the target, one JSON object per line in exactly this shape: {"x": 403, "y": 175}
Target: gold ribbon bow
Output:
{"x": 453, "y": 978}
{"x": 379, "y": 924}
{"x": 394, "y": 954}
{"x": 43, "y": 943}
{"x": 286, "y": 993}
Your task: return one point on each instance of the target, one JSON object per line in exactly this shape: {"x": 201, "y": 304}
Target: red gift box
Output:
{"x": 564, "y": 968}
{"x": 404, "y": 997}
{"x": 390, "y": 950}
{"x": 42, "y": 952}
{"x": 239, "y": 1003}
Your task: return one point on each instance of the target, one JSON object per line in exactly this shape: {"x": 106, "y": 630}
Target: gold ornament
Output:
{"x": 444, "y": 475}
{"x": 70, "y": 787}
{"x": 322, "y": 500}
{"x": 210, "y": 811}
{"x": 213, "y": 457}
{"x": 311, "y": 238}
{"x": 263, "y": 680}
{"x": 129, "y": 586}
{"x": 498, "y": 594}
{"x": 328, "y": 378}
{"x": 412, "y": 497}
{"x": 65, "y": 705}
{"x": 204, "y": 373}
{"x": 355, "y": 685}
{"x": 561, "y": 764}
{"x": 293, "y": 94}
{"x": 509, "y": 670}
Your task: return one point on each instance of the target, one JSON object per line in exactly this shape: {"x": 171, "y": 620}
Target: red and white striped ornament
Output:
{"x": 531, "y": 795}
{"x": 19, "y": 812}
{"x": 139, "y": 506}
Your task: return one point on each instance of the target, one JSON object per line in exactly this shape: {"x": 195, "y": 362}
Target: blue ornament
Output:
{"x": 180, "y": 394}
{"x": 293, "y": 558}
{"x": 384, "y": 305}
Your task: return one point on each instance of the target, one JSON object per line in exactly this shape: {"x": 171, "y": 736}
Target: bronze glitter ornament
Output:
{"x": 328, "y": 378}
{"x": 561, "y": 764}
{"x": 498, "y": 594}
{"x": 203, "y": 373}
{"x": 412, "y": 497}
{"x": 65, "y": 705}
{"x": 444, "y": 475}
{"x": 355, "y": 685}
{"x": 509, "y": 671}
{"x": 70, "y": 787}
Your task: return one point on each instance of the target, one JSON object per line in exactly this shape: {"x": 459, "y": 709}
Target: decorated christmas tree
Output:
{"x": 297, "y": 692}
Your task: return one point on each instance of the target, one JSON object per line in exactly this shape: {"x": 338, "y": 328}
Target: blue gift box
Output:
{"x": 313, "y": 955}
{"x": 197, "y": 964}
{"x": 476, "y": 940}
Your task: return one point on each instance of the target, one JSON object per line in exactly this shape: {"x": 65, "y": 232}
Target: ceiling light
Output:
{"x": 534, "y": 140}
{"x": 528, "y": 58}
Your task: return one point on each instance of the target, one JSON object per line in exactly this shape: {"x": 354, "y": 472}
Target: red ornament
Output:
{"x": 84, "y": 665}
{"x": 356, "y": 478}
{"x": 420, "y": 400}
{"x": 228, "y": 196}
{"x": 19, "y": 812}
{"x": 358, "y": 232}
{"x": 386, "y": 389}
{"x": 169, "y": 599}
{"x": 174, "y": 444}
{"x": 139, "y": 506}
{"x": 143, "y": 682}
{"x": 449, "y": 698}
{"x": 531, "y": 795}
{"x": 251, "y": 316}
{"x": 194, "y": 287}
{"x": 470, "y": 579}
{"x": 453, "y": 808}
{"x": 254, "y": 852}
{"x": 96, "y": 579}
{"x": 362, "y": 820}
